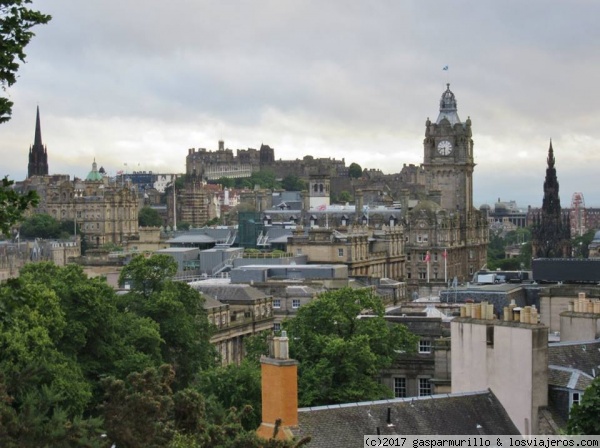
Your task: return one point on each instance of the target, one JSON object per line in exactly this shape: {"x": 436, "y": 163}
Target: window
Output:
{"x": 489, "y": 336}
{"x": 575, "y": 398}
{"x": 276, "y": 303}
{"x": 424, "y": 387}
{"x": 298, "y": 251}
{"x": 295, "y": 303}
{"x": 399, "y": 387}
{"x": 422, "y": 275}
{"x": 276, "y": 327}
{"x": 340, "y": 252}
{"x": 424, "y": 346}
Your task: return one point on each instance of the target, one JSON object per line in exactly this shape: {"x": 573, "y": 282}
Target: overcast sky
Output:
{"x": 135, "y": 84}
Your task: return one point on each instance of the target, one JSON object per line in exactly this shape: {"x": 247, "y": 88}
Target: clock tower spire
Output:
{"x": 448, "y": 155}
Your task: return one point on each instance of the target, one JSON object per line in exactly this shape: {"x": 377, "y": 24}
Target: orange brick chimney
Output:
{"x": 279, "y": 383}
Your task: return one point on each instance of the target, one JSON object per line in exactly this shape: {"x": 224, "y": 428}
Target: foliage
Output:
{"x": 146, "y": 275}
{"x": 293, "y": 183}
{"x": 176, "y": 307}
{"x": 183, "y": 225}
{"x": 344, "y": 196}
{"x": 143, "y": 411}
{"x": 16, "y": 22}
{"x": 43, "y": 390}
{"x": 499, "y": 241}
{"x": 583, "y": 418}
{"x": 234, "y": 387}
{"x": 355, "y": 170}
{"x": 226, "y": 182}
{"x": 580, "y": 244}
{"x": 340, "y": 353}
{"x": 149, "y": 217}
{"x": 12, "y": 204}
{"x": 262, "y": 179}
{"x": 42, "y": 225}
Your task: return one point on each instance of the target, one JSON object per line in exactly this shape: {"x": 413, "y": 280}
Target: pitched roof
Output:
{"x": 478, "y": 413}
{"x": 230, "y": 293}
{"x": 570, "y": 378}
{"x": 582, "y": 356}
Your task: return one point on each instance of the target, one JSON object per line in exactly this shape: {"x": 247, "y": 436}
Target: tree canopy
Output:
{"x": 292, "y": 182}
{"x": 341, "y": 352}
{"x": 80, "y": 361}
{"x": 355, "y": 170}
{"x": 13, "y": 205}
{"x": 16, "y": 22}
{"x": 583, "y": 419}
{"x": 149, "y": 217}
{"x": 42, "y": 225}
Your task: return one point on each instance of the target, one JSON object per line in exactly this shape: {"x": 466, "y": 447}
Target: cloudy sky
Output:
{"x": 135, "y": 84}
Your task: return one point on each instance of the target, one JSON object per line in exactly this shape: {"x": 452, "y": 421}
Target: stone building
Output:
{"x": 367, "y": 252}
{"x": 104, "y": 211}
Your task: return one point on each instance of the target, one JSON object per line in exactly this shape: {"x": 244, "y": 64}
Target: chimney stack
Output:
{"x": 279, "y": 385}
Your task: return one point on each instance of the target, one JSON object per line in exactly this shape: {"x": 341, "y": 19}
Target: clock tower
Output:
{"x": 448, "y": 156}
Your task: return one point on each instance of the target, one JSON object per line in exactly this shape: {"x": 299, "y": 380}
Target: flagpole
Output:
{"x": 427, "y": 258}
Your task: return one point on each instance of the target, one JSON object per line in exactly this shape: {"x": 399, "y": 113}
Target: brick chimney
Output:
{"x": 279, "y": 384}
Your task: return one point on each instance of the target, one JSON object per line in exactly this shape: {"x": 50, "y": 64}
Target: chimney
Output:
{"x": 279, "y": 384}
{"x": 221, "y": 145}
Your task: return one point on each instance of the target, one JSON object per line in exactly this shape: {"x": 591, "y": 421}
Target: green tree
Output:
{"x": 292, "y": 182}
{"x": 344, "y": 196}
{"x": 226, "y": 182}
{"x": 176, "y": 307}
{"x": 16, "y": 22}
{"x": 40, "y": 225}
{"x": 142, "y": 411}
{"x": 44, "y": 391}
{"x": 583, "y": 418}
{"x": 13, "y": 204}
{"x": 340, "y": 353}
{"x": 149, "y": 217}
{"x": 355, "y": 170}
{"x": 183, "y": 225}
{"x": 117, "y": 344}
{"x": 580, "y": 244}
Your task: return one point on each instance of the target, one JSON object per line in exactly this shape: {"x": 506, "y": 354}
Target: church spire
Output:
{"x": 38, "y": 156}
{"x": 37, "y": 141}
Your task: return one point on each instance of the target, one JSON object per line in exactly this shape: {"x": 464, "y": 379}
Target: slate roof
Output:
{"x": 569, "y": 378}
{"x": 582, "y": 356}
{"x": 230, "y": 293}
{"x": 478, "y": 413}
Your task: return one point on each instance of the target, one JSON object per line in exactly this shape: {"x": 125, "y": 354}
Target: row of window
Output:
{"x": 400, "y": 387}
{"x": 295, "y": 303}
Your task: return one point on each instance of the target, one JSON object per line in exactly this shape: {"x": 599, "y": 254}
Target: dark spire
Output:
{"x": 38, "y": 155}
{"x": 551, "y": 233}
{"x": 37, "y": 141}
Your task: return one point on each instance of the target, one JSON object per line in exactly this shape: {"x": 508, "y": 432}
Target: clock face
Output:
{"x": 444, "y": 147}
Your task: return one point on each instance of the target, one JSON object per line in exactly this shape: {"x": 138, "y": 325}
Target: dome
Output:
{"x": 448, "y": 109}
{"x": 101, "y": 170}
{"x": 94, "y": 175}
{"x": 485, "y": 207}
{"x": 597, "y": 236}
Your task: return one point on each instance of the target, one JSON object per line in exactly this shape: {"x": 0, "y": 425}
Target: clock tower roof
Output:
{"x": 448, "y": 108}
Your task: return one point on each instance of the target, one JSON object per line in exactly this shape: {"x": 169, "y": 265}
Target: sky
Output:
{"x": 134, "y": 84}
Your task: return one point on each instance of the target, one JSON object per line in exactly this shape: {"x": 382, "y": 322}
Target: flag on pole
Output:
{"x": 445, "y": 67}
{"x": 427, "y": 257}
{"x": 445, "y": 254}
